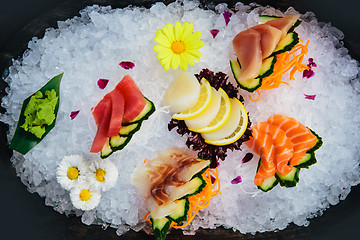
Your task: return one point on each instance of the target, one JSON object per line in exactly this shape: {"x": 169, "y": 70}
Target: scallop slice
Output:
{"x": 270, "y": 37}
{"x": 248, "y": 50}
{"x": 230, "y": 125}
{"x": 206, "y": 117}
{"x": 183, "y": 93}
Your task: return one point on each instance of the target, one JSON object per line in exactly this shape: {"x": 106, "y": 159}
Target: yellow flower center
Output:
{"x": 73, "y": 173}
{"x": 178, "y": 47}
{"x": 100, "y": 175}
{"x": 85, "y": 195}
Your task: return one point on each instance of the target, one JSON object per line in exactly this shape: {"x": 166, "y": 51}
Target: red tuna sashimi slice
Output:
{"x": 102, "y": 115}
{"x": 134, "y": 100}
{"x": 284, "y": 24}
{"x": 270, "y": 37}
{"x": 262, "y": 144}
{"x": 301, "y": 136}
{"x": 117, "y": 113}
{"x": 248, "y": 50}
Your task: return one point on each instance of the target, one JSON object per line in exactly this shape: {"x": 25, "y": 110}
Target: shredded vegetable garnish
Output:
{"x": 200, "y": 200}
{"x": 287, "y": 61}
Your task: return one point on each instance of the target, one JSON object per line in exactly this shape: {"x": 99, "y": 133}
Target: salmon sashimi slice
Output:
{"x": 262, "y": 144}
{"x": 248, "y": 50}
{"x": 302, "y": 138}
{"x": 284, "y": 24}
{"x": 270, "y": 37}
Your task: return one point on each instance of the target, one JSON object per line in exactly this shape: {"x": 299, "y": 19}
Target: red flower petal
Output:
{"x": 308, "y": 73}
{"x": 214, "y": 32}
{"x": 73, "y": 114}
{"x": 236, "y": 180}
{"x": 102, "y": 83}
{"x": 127, "y": 65}
{"x": 227, "y": 16}
{"x": 247, "y": 157}
{"x": 311, "y": 97}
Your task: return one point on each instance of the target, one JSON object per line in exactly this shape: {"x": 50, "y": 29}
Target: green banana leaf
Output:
{"x": 24, "y": 141}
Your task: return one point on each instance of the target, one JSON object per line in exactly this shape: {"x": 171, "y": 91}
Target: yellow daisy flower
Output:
{"x": 177, "y": 45}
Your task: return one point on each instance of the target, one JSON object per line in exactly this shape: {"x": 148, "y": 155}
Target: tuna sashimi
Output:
{"x": 248, "y": 50}
{"x": 117, "y": 113}
{"x": 301, "y": 136}
{"x": 269, "y": 38}
{"x": 284, "y": 24}
{"x": 134, "y": 99}
{"x": 102, "y": 115}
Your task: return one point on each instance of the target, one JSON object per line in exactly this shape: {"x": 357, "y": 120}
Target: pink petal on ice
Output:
{"x": 311, "y": 97}
{"x": 102, "y": 83}
{"x": 73, "y": 114}
{"x": 308, "y": 73}
{"x": 236, "y": 180}
{"x": 127, "y": 65}
{"x": 214, "y": 32}
{"x": 247, "y": 158}
{"x": 227, "y": 16}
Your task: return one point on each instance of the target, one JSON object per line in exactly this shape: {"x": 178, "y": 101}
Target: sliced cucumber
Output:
{"x": 287, "y": 43}
{"x": 298, "y": 22}
{"x": 145, "y": 113}
{"x": 194, "y": 186}
{"x": 249, "y": 85}
{"x": 266, "y": 18}
{"x": 289, "y": 180}
{"x": 308, "y": 160}
{"x": 106, "y": 150}
{"x": 129, "y": 129}
{"x": 267, "y": 67}
{"x": 181, "y": 213}
{"x": 319, "y": 142}
{"x": 161, "y": 227}
{"x": 119, "y": 142}
{"x": 268, "y": 184}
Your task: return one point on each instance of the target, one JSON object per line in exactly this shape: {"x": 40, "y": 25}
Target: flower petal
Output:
{"x": 236, "y": 180}
{"x": 73, "y": 114}
{"x": 178, "y": 31}
{"x": 196, "y": 44}
{"x": 311, "y": 97}
{"x": 192, "y": 37}
{"x": 168, "y": 31}
{"x": 182, "y": 63}
{"x": 227, "y": 16}
{"x": 175, "y": 61}
{"x": 127, "y": 65}
{"x": 162, "y": 40}
{"x": 164, "y": 53}
{"x": 195, "y": 53}
{"x": 188, "y": 28}
{"x": 102, "y": 83}
{"x": 214, "y": 32}
{"x": 188, "y": 58}
{"x": 247, "y": 158}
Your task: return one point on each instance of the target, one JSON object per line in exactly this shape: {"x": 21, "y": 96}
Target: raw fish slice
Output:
{"x": 270, "y": 37}
{"x": 134, "y": 100}
{"x": 102, "y": 116}
{"x": 248, "y": 50}
{"x": 262, "y": 144}
{"x": 284, "y": 24}
{"x": 117, "y": 113}
{"x": 301, "y": 136}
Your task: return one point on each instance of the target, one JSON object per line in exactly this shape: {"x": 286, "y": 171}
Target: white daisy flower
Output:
{"x": 103, "y": 174}
{"x": 84, "y": 196}
{"x": 71, "y": 170}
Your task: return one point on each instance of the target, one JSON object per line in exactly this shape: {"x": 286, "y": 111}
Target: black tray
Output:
{"x": 25, "y": 215}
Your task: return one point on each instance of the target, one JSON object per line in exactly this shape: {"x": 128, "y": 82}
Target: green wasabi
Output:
{"x": 39, "y": 112}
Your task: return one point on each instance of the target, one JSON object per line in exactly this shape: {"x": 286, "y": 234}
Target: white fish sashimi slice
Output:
{"x": 247, "y": 47}
{"x": 187, "y": 173}
{"x": 161, "y": 211}
{"x": 270, "y": 37}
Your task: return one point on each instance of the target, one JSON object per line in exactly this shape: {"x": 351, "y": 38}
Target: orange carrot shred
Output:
{"x": 290, "y": 60}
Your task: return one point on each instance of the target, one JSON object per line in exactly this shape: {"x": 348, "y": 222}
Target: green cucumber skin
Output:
{"x": 308, "y": 163}
{"x": 199, "y": 189}
{"x": 270, "y": 70}
{"x": 266, "y": 189}
{"x": 183, "y": 217}
{"x": 288, "y": 183}
{"x": 137, "y": 128}
{"x": 145, "y": 117}
{"x": 160, "y": 233}
{"x": 295, "y": 40}
{"x": 235, "y": 66}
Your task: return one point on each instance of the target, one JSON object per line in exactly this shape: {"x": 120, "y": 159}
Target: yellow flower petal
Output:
{"x": 195, "y": 54}
{"x": 192, "y": 37}
{"x": 168, "y": 31}
{"x": 196, "y": 44}
{"x": 162, "y": 40}
{"x": 175, "y": 60}
{"x": 187, "y": 30}
{"x": 178, "y": 31}
{"x": 159, "y": 48}
{"x": 188, "y": 58}
{"x": 164, "y": 53}
{"x": 166, "y": 61}
{"x": 183, "y": 62}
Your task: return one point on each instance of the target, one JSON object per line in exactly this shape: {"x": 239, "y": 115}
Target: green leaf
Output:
{"x": 24, "y": 141}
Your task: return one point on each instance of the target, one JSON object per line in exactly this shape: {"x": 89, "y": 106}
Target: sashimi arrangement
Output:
{"x": 118, "y": 116}
{"x": 170, "y": 168}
